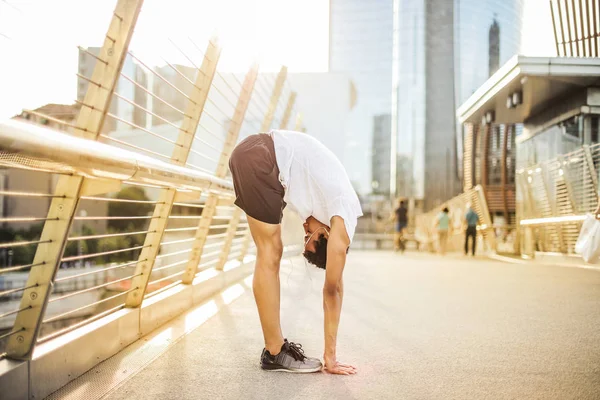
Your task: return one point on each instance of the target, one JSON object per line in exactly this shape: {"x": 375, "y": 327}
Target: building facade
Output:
{"x": 537, "y": 155}
{"x": 360, "y": 46}
{"x": 380, "y": 154}
{"x": 490, "y": 160}
{"x": 446, "y": 50}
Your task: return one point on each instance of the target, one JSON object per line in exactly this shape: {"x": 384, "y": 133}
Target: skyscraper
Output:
{"x": 360, "y": 46}
{"x": 380, "y": 154}
{"x": 445, "y": 51}
{"x": 494, "y": 47}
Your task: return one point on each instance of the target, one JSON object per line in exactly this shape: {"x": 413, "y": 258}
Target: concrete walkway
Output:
{"x": 417, "y": 326}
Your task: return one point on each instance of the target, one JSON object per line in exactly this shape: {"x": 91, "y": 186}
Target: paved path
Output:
{"x": 417, "y": 326}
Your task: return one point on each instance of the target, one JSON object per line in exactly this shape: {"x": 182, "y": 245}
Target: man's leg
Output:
{"x": 266, "y": 280}
{"x": 443, "y": 241}
{"x": 401, "y": 243}
{"x": 467, "y": 242}
{"x": 474, "y": 240}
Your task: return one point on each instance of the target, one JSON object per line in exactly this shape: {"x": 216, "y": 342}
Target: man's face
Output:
{"x": 313, "y": 229}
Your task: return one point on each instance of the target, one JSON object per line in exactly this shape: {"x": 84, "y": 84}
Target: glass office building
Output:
{"x": 445, "y": 51}
{"x": 485, "y": 30}
{"x": 360, "y": 46}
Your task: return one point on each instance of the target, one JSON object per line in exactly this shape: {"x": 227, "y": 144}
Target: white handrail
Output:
{"x": 553, "y": 220}
{"x": 98, "y": 160}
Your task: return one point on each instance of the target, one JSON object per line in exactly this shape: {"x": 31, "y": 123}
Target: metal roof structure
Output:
{"x": 532, "y": 84}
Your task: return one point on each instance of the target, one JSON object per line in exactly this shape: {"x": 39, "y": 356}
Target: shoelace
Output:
{"x": 296, "y": 351}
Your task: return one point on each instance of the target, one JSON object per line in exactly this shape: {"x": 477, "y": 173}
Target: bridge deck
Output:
{"x": 417, "y": 326}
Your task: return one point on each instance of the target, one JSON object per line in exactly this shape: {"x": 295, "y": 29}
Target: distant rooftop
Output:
{"x": 61, "y": 112}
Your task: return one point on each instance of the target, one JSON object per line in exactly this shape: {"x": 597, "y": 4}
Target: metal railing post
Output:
{"x": 69, "y": 188}
{"x": 213, "y": 199}
{"x": 230, "y": 234}
{"x": 266, "y": 125}
{"x": 527, "y": 202}
{"x": 551, "y": 201}
{"x": 571, "y": 206}
{"x": 288, "y": 111}
{"x": 485, "y": 213}
{"x": 158, "y": 224}
{"x": 589, "y": 159}
{"x": 298, "y": 125}
{"x": 277, "y": 90}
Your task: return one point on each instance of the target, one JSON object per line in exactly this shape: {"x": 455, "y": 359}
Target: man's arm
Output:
{"x": 597, "y": 212}
{"x": 333, "y": 293}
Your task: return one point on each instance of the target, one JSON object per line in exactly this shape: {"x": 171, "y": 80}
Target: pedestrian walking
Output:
{"x": 443, "y": 228}
{"x": 472, "y": 220}
{"x": 401, "y": 214}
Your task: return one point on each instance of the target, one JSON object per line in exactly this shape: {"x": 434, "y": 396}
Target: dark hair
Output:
{"x": 319, "y": 256}
{"x": 401, "y": 203}
{"x": 446, "y": 210}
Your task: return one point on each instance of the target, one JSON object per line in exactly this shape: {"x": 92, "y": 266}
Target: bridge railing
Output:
{"x": 553, "y": 198}
{"x": 123, "y": 217}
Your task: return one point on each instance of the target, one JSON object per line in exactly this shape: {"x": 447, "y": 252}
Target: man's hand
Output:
{"x": 334, "y": 367}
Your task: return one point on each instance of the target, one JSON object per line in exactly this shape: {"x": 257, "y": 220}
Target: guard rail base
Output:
{"x": 64, "y": 358}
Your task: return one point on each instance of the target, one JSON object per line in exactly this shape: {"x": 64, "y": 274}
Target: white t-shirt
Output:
{"x": 315, "y": 181}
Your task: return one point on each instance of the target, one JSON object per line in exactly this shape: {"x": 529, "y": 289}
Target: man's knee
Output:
{"x": 269, "y": 256}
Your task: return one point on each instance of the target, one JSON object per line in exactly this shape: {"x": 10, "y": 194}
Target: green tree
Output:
{"x": 7, "y": 234}
{"x": 116, "y": 243}
{"x": 91, "y": 244}
{"x": 123, "y": 209}
{"x": 22, "y": 255}
{"x": 72, "y": 248}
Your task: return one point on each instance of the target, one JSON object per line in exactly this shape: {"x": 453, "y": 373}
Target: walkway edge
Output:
{"x": 511, "y": 260}
{"x": 78, "y": 351}
{"x": 169, "y": 309}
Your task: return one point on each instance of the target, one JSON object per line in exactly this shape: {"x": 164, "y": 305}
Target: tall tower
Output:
{"x": 380, "y": 154}
{"x": 494, "y": 47}
{"x": 445, "y": 51}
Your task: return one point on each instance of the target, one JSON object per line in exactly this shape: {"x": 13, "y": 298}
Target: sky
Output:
{"x": 39, "y": 39}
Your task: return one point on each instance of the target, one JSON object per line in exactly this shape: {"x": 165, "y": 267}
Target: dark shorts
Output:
{"x": 256, "y": 182}
{"x": 400, "y": 226}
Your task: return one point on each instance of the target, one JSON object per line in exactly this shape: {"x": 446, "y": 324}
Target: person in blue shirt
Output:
{"x": 472, "y": 220}
{"x": 443, "y": 226}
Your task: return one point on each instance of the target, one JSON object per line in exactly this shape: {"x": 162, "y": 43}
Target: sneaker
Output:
{"x": 291, "y": 358}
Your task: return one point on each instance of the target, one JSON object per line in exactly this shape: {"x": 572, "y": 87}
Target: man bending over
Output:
{"x": 270, "y": 171}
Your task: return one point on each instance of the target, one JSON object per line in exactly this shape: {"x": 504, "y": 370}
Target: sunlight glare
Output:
{"x": 232, "y": 293}
{"x": 161, "y": 338}
{"x": 231, "y": 265}
{"x": 200, "y": 315}
{"x": 206, "y": 275}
